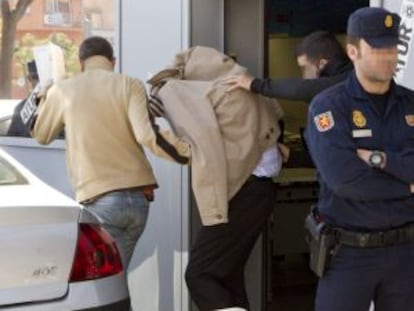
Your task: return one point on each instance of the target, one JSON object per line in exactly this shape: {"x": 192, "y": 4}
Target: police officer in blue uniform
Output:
{"x": 360, "y": 135}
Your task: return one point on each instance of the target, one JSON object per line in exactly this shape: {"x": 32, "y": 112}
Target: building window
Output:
{"x": 58, "y": 12}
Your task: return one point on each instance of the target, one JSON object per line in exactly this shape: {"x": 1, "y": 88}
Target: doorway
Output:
{"x": 263, "y": 35}
{"x": 287, "y": 22}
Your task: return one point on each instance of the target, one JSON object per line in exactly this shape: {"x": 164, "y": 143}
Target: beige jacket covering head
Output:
{"x": 106, "y": 121}
{"x": 228, "y": 131}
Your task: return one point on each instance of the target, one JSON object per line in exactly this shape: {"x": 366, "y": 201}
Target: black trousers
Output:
{"x": 215, "y": 272}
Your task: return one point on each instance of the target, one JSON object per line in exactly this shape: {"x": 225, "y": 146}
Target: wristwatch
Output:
{"x": 376, "y": 159}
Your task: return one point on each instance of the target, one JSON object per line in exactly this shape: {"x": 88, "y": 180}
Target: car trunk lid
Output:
{"x": 37, "y": 241}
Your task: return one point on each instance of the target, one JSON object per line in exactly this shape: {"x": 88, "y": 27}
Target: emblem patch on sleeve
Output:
{"x": 324, "y": 121}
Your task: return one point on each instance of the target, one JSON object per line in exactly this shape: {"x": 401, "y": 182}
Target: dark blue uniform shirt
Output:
{"x": 354, "y": 195}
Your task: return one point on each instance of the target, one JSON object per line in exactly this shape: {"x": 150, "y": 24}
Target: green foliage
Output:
{"x": 70, "y": 50}
{"x": 24, "y": 53}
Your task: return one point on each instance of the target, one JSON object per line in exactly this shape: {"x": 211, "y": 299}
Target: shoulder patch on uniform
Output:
{"x": 324, "y": 121}
{"x": 359, "y": 118}
{"x": 409, "y": 118}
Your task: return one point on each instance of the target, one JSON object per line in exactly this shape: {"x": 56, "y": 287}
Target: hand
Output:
{"x": 412, "y": 188}
{"x": 284, "y": 152}
{"x": 41, "y": 90}
{"x": 364, "y": 155}
{"x": 238, "y": 81}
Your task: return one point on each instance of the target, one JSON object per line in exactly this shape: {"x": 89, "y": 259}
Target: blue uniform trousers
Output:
{"x": 357, "y": 276}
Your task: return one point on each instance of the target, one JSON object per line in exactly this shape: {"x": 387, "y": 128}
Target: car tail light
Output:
{"x": 96, "y": 254}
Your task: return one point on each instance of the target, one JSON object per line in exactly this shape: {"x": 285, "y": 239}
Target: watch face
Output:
{"x": 376, "y": 159}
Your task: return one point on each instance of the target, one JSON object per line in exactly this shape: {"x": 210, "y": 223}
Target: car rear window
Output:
{"x": 9, "y": 175}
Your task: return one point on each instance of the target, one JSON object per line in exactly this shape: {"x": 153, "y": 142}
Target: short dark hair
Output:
{"x": 353, "y": 40}
{"x": 96, "y": 45}
{"x": 320, "y": 44}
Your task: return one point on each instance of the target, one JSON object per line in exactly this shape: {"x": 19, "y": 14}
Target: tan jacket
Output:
{"x": 106, "y": 121}
{"x": 228, "y": 132}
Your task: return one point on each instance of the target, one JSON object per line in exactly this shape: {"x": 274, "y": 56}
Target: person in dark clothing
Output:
{"x": 17, "y": 127}
{"x": 323, "y": 62}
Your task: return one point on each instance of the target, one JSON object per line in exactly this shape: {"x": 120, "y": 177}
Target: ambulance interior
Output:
{"x": 290, "y": 284}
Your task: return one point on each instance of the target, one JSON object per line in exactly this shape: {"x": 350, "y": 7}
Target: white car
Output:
{"x": 54, "y": 256}
{"x": 6, "y": 113}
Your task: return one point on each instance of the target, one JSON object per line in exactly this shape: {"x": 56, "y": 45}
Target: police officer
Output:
{"x": 361, "y": 137}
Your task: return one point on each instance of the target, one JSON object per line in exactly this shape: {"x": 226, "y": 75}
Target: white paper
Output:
{"x": 50, "y": 63}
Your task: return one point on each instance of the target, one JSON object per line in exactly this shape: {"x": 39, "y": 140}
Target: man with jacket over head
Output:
{"x": 234, "y": 158}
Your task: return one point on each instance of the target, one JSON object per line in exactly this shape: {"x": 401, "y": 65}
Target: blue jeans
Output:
{"x": 123, "y": 214}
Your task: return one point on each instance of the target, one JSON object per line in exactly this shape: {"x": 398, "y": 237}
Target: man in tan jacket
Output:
{"x": 106, "y": 121}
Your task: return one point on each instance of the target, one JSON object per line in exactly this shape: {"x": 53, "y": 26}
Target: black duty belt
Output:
{"x": 257, "y": 178}
{"x": 401, "y": 235}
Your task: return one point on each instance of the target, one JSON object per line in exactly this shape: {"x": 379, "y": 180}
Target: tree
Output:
{"x": 10, "y": 18}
